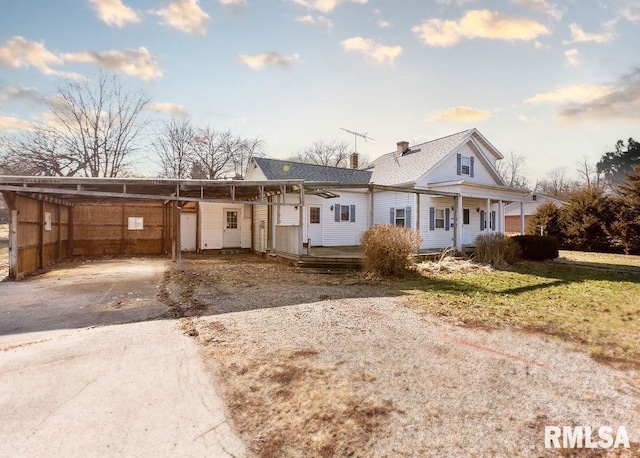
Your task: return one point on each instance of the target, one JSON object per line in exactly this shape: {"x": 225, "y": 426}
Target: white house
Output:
{"x": 448, "y": 189}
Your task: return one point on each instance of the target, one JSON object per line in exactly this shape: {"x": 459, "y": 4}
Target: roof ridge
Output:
{"x": 311, "y": 164}
{"x": 429, "y": 141}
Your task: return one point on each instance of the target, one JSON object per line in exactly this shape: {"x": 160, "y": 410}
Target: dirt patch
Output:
{"x": 314, "y": 365}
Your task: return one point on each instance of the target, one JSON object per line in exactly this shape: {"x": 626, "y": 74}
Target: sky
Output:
{"x": 554, "y": 81}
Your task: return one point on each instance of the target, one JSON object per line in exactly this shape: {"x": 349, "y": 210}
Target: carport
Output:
{"x": 53, "y": 218}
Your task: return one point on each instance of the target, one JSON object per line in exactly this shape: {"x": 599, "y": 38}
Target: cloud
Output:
{"x": 540, "y": 6}
{"x": 325, "y": 6}
{"x": 620, "y": 102}
{"x": 455, "y": 2}
{"x": 321, "y": 21}
{"x": 631, "y": 12}
{"x": 574, "y": 93}
{"x": 267, "y": 59}
{"x": 572, "y": 57}
{"x": 460, "y": 114}
{"x": 9, "y": 93}
{"x": 167, "y": 107}
{"x": 9, "y": 123}
{"x": 478, "y": 24}
{"x": 383, "y": 24}
{"x": 114, "y": 12}
{"x": 234, "y": 5}
{"x": 20, "y": 53}
{"x": 374, "y": 52}
{"x": 135, "y": 62}
{"x": 580, "y": 36}
{"x": 186, "y": 16}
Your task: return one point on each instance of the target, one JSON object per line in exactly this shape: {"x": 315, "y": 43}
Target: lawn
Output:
{"x": 592, "y": 300}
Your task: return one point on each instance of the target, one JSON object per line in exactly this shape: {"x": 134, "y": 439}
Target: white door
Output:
{"x": 466, "y": 227}
{"x": 231, "y": 224}
{"x": 314, "y": 228}
{"x": 188, "y": 231}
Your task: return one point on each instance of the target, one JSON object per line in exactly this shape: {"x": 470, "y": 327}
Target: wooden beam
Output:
{"x": 10, "y": 200}
{"x": 70, "y": 231}
{"x": 123, "y": 232}
{"x": 59, "y": 244}
{"x": 41, "y": 234}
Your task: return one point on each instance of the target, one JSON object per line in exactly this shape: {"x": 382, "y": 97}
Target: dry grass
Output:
{"x": 597, "y": 308}
{"x": 286, "y": 403}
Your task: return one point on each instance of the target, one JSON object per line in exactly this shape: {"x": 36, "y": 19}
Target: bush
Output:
{"x": 548, "y": 215}
{"x": 536, "y": 247}
{"x": 496, "y": 249}
{"x": 388, "y": 249}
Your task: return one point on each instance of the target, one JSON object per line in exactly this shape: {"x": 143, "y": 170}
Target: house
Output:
{"x": 448, "y": 189}
{"x": 531, "y": 203}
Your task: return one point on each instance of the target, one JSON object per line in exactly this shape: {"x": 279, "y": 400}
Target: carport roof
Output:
{"x": 72, "y": 190}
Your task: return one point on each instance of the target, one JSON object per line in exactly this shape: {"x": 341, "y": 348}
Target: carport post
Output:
{"x": 178, "y": 240}
{"x": 13, "y": 244}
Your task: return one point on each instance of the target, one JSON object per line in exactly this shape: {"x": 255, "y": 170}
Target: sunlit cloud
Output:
{"x": 580, "y": 36}
{"x": 540, "y": 6}
{"x": 572, "y": 57}
{"x": 10, "y": 93}
{"x": 10, "y": 124}
{"x": 326, "y": 6}
{"x": 485, "y": 24}
{"x": 374, "y": 52}
{"x": 460, "y": 114}
{"x": 114, "y": 12}
{"x": 574, "y": 93}
{"x": 268, "y": 59}
{"x": 167, "y": 107}
{"x": 135, "y": 62}
{"x": 384, "y": 24}
{"x": 320, "y": 21}
{"x": 20, "y": 53}
{"x": 186, "y": 16}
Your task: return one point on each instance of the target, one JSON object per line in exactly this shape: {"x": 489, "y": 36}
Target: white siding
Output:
{"x": 212, "y": 225}
{"x": 260, "y": 213}
{"x": 255, "y": 174}
{"x": 447, "y": 170}
{"x": 437, "y": 238}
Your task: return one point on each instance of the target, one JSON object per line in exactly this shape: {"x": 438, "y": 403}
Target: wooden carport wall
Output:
{"x": 175, "y": 192}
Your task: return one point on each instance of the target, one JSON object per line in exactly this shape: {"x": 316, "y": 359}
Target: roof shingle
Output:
{"x": 275, "y": 169}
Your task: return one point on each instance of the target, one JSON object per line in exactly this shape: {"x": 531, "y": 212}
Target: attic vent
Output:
{"x": 403, "y": 147}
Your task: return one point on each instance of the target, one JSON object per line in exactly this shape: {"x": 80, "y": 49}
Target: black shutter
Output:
{"x": 447, "y": 219}
{"x": 459, "y": 159}
{"x": 407, "y": 217}
{"x": 432, "y": 218}
{"x": 392, "y": 216}
{"x": 471, "y": 167}
{"x": 337, "y": 212}
{"x": 352, "y": 214}
{"x": 482, "y": 220}
{"x": 493, "y": 220}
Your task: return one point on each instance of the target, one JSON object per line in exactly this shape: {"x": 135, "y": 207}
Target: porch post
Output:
{"x": 500, "y": 221}
{"x": 179, "y": 240}
{"x": 301, "y": 222}
{"x": 522, "y": 218}
{"x": 371, "y": 191}
{"x": 13, "y": 244}
{"x": 459, "y": 221}
{"x": 487, "y": 215}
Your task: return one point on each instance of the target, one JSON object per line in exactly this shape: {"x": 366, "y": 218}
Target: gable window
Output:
{"x": 439, "y": 218}
{"x": 465, "y": 165}
{"x": 400, "y": 217}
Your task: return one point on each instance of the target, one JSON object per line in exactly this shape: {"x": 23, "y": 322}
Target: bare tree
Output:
{"x": 557, "y": 183}
{"x": 512, "y": 169}
{"x": 92, "y": 130}
{"x": 333, "y": 153}
{"x": 590, "y": 176}
{"x": 213, "y": 153}
{"x": 174, "y": 148}
{"x": 251, "y": 147}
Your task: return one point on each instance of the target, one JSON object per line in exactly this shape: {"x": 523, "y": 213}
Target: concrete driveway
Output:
{"x": 85, "y": 370}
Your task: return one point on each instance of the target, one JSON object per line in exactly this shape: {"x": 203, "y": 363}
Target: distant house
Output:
{"x": 530, "y": 206}
{"x": 448, "y": 189}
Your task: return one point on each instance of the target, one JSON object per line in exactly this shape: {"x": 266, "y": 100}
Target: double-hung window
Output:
{"x": 465, "y": 164}
{"x": 439, "y": 218}
{"x": 400, "y": 217}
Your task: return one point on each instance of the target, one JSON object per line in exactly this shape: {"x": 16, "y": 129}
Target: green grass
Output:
{"x": 598, "y": 308}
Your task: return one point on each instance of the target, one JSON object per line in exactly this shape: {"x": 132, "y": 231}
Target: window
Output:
{"x": 465, "y": 216}
{"x": 400, "y": 217}
{"x": 439, "y": 218}
{"x": 136, "y": 223}
{"x": 344, "y": 213}
{"x": 465, "y": 165}
{"x": 232, "y": 220}
{"x": 314, "y": 215}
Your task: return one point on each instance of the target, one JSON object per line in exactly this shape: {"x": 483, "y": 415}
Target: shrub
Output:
{"x": 549, "y": 216}
{"x": 584, "y": 219}
{"x": 496, "y": 249}
{"x": 536, "y": 247}
{"x": 388, "y": 249}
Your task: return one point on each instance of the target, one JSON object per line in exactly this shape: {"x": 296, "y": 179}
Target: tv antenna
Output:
{"x": 355, "y": 138}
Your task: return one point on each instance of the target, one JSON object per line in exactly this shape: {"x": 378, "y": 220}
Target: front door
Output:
{"x": 231, "y": 224}
{"x": 188, "y": 231}
{"x": 314, "y": 228}
{"x": 466, "y": 227}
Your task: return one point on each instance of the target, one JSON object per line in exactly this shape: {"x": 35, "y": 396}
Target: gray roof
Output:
{"x": 392, "y": 170}
{"x": 275, "y": 169}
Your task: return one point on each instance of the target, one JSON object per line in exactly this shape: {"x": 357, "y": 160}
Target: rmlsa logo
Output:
{"x": 582, "y": 437}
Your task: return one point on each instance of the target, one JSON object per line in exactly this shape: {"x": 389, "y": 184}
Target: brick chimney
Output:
{"x": 353, "y": 160}
{"x": 403, "y": 147}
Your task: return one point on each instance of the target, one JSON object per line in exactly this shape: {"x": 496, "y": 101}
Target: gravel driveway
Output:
{"x": 364, "y": 372}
